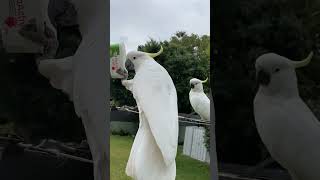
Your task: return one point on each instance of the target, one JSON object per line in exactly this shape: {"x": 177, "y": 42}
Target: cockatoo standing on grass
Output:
{"x": 83, "y": 77}
{"x": 286, "y": 125}
{"x": 154, "y": 149}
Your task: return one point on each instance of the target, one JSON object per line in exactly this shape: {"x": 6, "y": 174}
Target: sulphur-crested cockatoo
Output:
{"x": 198, "y": 99}
{"x": 201, "y": 105}
{"x": 286, "y": 125}
{"x": 83, "y": 77}
{"x": 154, "y": 148}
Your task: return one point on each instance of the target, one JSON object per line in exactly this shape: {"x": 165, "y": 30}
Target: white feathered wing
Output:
{"x": 291, "y": 133}
{"x": 156, "y": 95}
{"x": 201, "y": 104}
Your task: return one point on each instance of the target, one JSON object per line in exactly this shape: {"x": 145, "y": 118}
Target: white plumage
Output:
{"x": 199, "y": 100}
{"x": 201, "y": 105}
{"x": 83, "y": 77}
{"x": 286, "y": 125}
{"x": 155, "y": 146}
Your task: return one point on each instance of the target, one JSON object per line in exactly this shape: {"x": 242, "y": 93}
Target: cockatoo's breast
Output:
{"x": 201, "y": 104}
{"x": 290, "y": 132}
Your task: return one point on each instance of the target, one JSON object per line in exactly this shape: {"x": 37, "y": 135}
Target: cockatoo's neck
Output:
{"x": 196, "y": 91}
{"x": 285, "y": 91}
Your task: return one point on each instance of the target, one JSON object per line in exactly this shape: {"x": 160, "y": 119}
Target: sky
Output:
{"x": 136, "y": 21}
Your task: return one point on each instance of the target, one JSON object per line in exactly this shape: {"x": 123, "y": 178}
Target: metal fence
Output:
{"x": 182, "y": 119}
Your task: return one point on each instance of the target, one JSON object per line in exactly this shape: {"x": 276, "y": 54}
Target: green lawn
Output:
{"x": 187, "y": 168}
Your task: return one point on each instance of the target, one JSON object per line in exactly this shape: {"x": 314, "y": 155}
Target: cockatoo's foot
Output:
{"x": 203, "y": 119}
{"x": 127, "y": 84}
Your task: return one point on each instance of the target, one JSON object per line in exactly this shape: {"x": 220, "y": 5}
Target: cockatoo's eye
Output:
{"x": 277, "y": 70}
{"x": 134, "y": 57}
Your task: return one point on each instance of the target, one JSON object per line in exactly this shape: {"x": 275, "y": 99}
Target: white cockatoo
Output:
{"x": 198, "y": 99}
{"x": 154, "y": 148}
{"x": 83, "y": 77}
{"x": 201, "y": 105}
{"x": 286, "y": 125}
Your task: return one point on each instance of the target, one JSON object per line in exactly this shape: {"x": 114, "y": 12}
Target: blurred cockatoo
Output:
{"x": 83, "y": 77}
{"x": 154, "y": 149}
{"x": 286, "y": 125}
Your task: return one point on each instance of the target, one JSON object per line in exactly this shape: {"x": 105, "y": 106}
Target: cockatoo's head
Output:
{"x": 136, "y": 58}
{"x": 275, "y": 74}
{"x": 196, "y": 84}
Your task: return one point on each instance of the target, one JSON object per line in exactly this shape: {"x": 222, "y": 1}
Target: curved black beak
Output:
{"x": 192, "y": 86}
{"x": 129, "y": 65}
{"x": 263, "y": 78}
